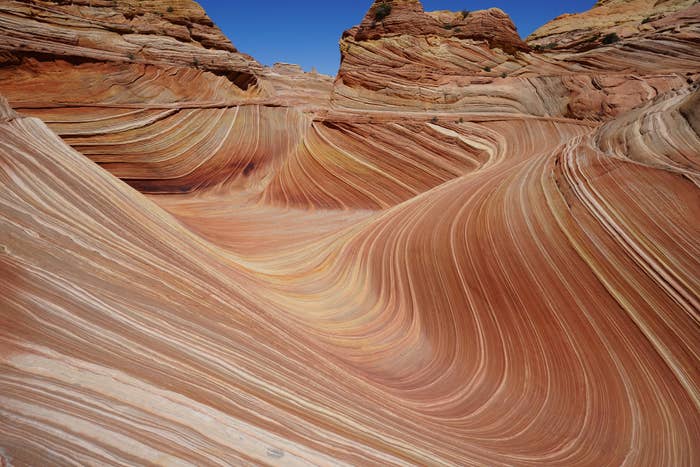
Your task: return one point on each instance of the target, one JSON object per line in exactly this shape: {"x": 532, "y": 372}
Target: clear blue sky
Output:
{"x": 306, "y": 32}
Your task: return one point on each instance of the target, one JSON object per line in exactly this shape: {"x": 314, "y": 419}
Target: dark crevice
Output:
{"x": 249, "y": 168}
{"x": 18, "y": 57}
{"x": 241, "y": 79}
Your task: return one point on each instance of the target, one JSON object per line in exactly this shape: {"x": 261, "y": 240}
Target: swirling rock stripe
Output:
{"x": 131, "y": 85}
{"x": 527, "y": 300}
{"x": 443, "y": 326}
{"x": 163, "y": 150}
{"x": 366, "y": 284}
{"x": 113, "y": 291}
{"x": 462, "y": 292}
{"x": 377, "y": 165}
{"x": 663, "y": 134}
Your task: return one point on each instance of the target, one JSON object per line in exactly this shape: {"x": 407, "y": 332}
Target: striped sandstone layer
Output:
{"x": 444, "y": 62}
{"x": 290, "y": 279}
{"x": 626, "y": 18}
{"x": 175, "y": 33}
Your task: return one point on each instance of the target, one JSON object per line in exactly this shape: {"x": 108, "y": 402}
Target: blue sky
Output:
{"x": 306, "y": 32}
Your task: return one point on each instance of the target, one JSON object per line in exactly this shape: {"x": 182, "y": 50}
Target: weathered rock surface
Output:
{"x": 165, "y": 34}
{"x": 150, "y": 90}
{"x": 293, "y": 86}
{"x": 643, "y": 135}
{"x": 434, "y": 268}
{"x": 440, "y": 61}
{"x": 408, "y": 18}
{"x": 626, "y": 18}
{"x": 423, "y": 59}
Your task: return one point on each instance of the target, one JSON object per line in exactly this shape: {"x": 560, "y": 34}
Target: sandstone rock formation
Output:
{"x": 414, "y": 57}
{"x": 407, "y": 17}
{"x": 424, "y": 264}
{"x": 427, "y": 67}
{"x": 153, "y": 32}
{"x": 146, "y": 69}
{"x": 292, "y": 85}
{"x": 625, "y": 18}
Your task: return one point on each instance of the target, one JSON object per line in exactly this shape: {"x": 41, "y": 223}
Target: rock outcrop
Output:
{"x": 440, "y": 265}
{"x": 410, "y": 57}
{"x": 475, "y": 62}
{"x": 173, "y": 33}
{"x": 292, "y": 85}
{"x": 406, "y": 17}
{"x": 624, "y": 18}
{"x": 150, "y": 90}
{"x": 636, "y": 135}
{"x": 617, "y": 69}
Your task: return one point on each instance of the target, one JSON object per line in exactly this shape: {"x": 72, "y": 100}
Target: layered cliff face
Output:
{"x": 156, "y": 33}
{"x": 425, "y": 60}
{"x": 392, "y": 18}
{"x": 475, "y": 62}
{"x": 625, "y": 18}
{"x": 624, "y": 53}
{"x": 482, "y": 270}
